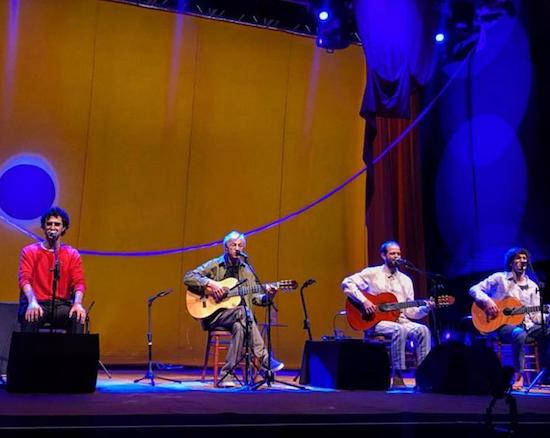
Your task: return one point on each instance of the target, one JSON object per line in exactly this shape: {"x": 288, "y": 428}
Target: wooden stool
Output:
{"x": 532, "y": 360}
{"x": 219, "y": 340}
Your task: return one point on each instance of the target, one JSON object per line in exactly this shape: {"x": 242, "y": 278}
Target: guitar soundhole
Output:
{"x": 368, "y": 316}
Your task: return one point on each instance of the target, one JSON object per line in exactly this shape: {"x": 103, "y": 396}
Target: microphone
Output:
{"x": 52, "y": 235}
{"x": 401, "y": 262}
{"x": 242, "y": 254}
{"x": 159, "y": 295}
{"x": 308, "y": 282}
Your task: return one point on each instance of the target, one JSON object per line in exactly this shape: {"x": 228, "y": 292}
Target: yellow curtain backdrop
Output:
{"x": 166, "y": 131}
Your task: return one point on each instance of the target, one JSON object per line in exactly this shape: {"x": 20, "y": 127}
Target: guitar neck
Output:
{"x": 528, "y": 309}
{"x": 406, "y": 304}
{"x": 246, "y": 290}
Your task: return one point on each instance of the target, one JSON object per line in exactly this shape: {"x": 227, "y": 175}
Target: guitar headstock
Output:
{"x": 445, "y": 300}
{"x": 287, "y": 284}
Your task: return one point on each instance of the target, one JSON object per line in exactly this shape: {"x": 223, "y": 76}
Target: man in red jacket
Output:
{"x": 47, "y": 267}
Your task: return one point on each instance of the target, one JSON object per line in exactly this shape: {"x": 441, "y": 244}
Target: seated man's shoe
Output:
{"x": 275, "y": 365}
{"x": 227, "y": 382}
{"x": 398, "y": 383}
{"x": 397, "y": 380}
{"x": 518, "y": 382}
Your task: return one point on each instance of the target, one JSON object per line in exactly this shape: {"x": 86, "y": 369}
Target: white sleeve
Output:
{"x": 354, "y": 286}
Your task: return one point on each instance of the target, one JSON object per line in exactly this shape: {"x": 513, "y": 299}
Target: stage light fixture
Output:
{"x": 323, "y": 15}
{"x": 334, "y": 23}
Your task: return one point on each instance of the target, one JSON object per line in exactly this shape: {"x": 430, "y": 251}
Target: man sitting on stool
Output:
{"x": 37, "y": 266}
{"x": 513, "y": 282}
{"x": 205, "y": 280}
{"x": 388, "y": 278}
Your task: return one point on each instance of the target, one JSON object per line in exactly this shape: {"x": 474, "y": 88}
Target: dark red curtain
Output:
{"x": 395, "y": 193}
{"x": 398, "y": 46}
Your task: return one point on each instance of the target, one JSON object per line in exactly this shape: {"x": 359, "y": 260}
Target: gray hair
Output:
{"x": 233, "y": 235}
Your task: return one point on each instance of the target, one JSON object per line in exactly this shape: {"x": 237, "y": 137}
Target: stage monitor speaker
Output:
{"x": 8, "y": 324}
{"x": 455, "y": 368}
{"x": 345, "y": 364}
{"x": 53, "y": 362}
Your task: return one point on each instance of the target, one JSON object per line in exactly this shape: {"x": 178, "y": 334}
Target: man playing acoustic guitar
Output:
{"x": 374, "y": 281}
{"x": 511, "y": 286}
{"x": 209, "y": 291}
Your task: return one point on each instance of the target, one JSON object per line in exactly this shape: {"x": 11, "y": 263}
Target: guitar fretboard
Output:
{"x": 399, "y": 306}
{"x": 525, "y": 309}
{"x": 246, "y": 290}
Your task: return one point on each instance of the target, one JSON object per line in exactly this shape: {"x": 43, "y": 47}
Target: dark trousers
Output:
{"x": 517, "y": 336}
{"x": 60, "y": 319}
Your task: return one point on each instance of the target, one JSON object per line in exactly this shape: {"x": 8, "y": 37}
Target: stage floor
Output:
{"x": 120, "y": 405}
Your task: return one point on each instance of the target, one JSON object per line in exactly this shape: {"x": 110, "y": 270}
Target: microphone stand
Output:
{"x": 87, "y": 323}
{"x": 541, "y": 342}
{"x": 150, "y": 374}
{"x": 247, "y": 354}
{"x": 269, "y": 377}
{"x": 307, "y": 325}
{"x": 436, "y": 289}
{"x": 56, "y": 275}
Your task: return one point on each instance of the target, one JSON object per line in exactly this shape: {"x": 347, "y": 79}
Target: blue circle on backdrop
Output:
{"x": 26, "y": 191}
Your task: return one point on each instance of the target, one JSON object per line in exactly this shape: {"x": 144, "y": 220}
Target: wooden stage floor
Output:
{"x": 121, "y": 407}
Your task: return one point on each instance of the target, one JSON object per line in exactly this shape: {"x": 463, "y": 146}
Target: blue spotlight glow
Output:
{"x": 27, "y": 187}
{"x": 440, "y": 37}
{"x": 323, "y": 15}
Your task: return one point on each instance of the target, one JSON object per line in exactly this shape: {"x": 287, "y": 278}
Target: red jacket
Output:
{"x": 36, "y": 268}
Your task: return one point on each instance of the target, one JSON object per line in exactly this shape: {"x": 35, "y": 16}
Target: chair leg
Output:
{"x": 206, "y": 356}
{"x": 216, "y": 358}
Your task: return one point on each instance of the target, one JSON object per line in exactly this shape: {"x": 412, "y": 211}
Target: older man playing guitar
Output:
{"x": 221, "y": 294}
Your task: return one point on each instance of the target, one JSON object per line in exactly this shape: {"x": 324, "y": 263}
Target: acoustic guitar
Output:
{"x": 510, "y": 311}
{"x": 200, "y": 307}
{"x": 387, "y": 309}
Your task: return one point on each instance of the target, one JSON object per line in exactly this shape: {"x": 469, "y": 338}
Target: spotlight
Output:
{"x": 440, "y": 37}
{"x": 323, "y": 15}
{"x": 334, "y": 23}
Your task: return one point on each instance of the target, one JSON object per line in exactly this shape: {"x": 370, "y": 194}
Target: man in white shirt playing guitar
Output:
{"x": 376, "y": 280}
{"x": 500, "y": 291}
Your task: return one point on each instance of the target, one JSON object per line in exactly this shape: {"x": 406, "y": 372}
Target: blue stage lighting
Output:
{"x": 27, "y": 188}
{"x": 335, "y": 23}
{"x": 440, "y": 37}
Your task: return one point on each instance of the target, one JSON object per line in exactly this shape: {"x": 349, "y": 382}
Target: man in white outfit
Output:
{"x": 387, "y": 278}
